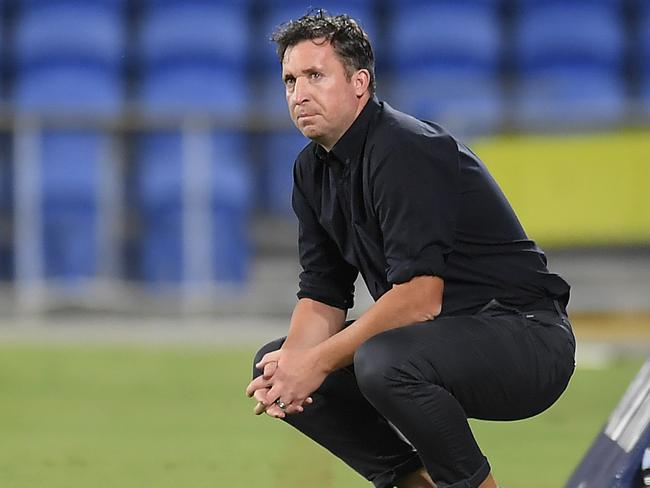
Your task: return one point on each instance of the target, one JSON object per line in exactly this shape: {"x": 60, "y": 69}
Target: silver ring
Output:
{"x": 281, "y": 404}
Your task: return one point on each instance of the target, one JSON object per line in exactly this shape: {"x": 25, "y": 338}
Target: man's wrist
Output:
{"x": 323, "y": 358}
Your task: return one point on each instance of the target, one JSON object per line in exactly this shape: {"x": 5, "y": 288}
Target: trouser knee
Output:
{"x": 376, "y": 367}
{"x": 267, "y": 348}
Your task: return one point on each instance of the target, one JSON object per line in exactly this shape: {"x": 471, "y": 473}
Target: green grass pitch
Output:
{"x": 95, "y": 416}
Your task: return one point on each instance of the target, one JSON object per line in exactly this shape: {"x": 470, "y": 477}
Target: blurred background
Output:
{"x": 145, "y": 180}
{"x": 146, "y": 151}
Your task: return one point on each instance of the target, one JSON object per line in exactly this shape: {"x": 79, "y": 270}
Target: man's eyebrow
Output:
{"x": 306, "y": 71}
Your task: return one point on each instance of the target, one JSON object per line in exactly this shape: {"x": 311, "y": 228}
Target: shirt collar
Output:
{"x": 349, "y": 146}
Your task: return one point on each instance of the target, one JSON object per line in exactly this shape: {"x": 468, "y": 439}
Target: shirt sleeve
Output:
{"x": 326, "y": 277}
{"x": 415, "y": 195}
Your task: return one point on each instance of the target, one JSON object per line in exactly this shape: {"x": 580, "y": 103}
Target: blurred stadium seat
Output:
{"x": 645, "y": 57}
{"x": 3, "y": 49}
{"x": 282, "y": 149}
{"x": 444, "y": 57}
{"x": 68, "y": 57}
{"x": 212, "y": 61}
{"x": 6, "y": 207}
{"x": 6, "y": 176}
{"x": 569, "y": 56}
{"x": 194, "y": 56}
{"x": 71, "y": 172}
{"x": 160, "y": 193}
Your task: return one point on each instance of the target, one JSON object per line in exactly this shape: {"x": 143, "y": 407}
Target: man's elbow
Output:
{"x": 428, "y": 311}
{"x": 425, "y": 297}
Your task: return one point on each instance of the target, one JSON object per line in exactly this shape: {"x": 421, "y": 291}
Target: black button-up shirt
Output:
{"x": 397, "y": 197}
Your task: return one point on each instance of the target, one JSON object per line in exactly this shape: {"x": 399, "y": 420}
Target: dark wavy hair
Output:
{"x": 348, "y": 39}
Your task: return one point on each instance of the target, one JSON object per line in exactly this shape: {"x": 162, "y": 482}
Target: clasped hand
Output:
{"x": 288, "y": 375}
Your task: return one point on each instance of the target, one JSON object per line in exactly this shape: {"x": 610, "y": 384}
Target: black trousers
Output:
{"x": 406, "y": 399}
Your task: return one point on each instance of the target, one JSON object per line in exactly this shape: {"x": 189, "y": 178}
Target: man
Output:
{"x": 468, "y": 322}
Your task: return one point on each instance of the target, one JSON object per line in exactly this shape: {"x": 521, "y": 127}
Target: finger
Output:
{"x": 261, "y": 407}
{"x": 260, "y": 395}
{"x": 272, "y": 410}
{"x": 269, "y": 358}
{"x": 298, "y": 405}
{"x": 269, "y": 370}
{"x": 274, "y": 398}
{"x": 275, "y": 412}
{"x": 258, "y": 383}
{"x": 276, "y": 392}
{"x": 294, "y": 408}
{"x": 253, "y": 387}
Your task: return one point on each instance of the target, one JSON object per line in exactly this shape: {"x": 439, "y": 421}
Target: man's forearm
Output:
{"x": 406, "y": 304}
{"x": 312, "y": 323}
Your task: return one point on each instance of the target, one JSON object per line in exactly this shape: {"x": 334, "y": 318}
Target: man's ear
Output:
{"x": 361, "y": 80}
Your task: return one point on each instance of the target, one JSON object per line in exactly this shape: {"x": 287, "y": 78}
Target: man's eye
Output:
{"x": 315, "y": 76}
{"x": 289, "y": 81}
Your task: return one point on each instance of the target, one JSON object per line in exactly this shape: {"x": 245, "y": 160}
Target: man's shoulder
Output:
{"x": 397, "y": 131}
{"x": 306, "y": 154}
{"x": 306, "y": 159}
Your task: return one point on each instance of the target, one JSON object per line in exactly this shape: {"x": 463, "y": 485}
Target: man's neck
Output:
{"x": 363, "y": 101}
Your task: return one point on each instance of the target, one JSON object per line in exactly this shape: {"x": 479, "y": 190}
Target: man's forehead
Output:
{"x": 314, "y": 46}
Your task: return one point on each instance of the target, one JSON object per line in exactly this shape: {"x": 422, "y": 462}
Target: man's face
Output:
{"x": 322, "y": 101}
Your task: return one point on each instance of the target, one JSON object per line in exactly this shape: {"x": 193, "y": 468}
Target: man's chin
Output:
{"x": 310, "y": 132}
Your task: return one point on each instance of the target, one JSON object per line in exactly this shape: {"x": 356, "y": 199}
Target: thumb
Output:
{"x": 269, "y": 370}
{"x": 269, "y": 358}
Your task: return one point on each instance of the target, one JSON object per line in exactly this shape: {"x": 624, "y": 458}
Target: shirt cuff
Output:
{"x": 341, "y": 304}
{"x": 430, "y": 262}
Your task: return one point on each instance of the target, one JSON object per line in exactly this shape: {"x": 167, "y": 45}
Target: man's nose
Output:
{"x": 301, "y": 90}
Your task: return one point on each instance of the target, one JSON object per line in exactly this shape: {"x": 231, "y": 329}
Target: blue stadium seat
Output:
{"x": 2, "y": 48}
{"x": 645, "y": 58}
{"x": 84, "y": 31}
{"x": 570, "y": 33}
{"x": 156, "y": 4}
{"x": 281, "y": 150}
{"x": 41, "y": 3}
{"x": 569, "y": 98}
{"x": 190, "y": 68}
{"x": 158, "y": 186}
{"x": 210, "y": 31}
{"x": 69, "y": 56}
{"x": 6, "y": 209}
{"x": 187, "y": 64}
{"x": 5, "y": 174}
{"x": 569, "y": 58}
{"x": 439, "y": 33}
{"x": 70, "y": 174}
{"x": 194, "y": 88}
{"x": 444, "y": 57}
{"x": 537, "y": 4}
{"x": 65, "y": 88}
{"x": 468, "y": 103}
